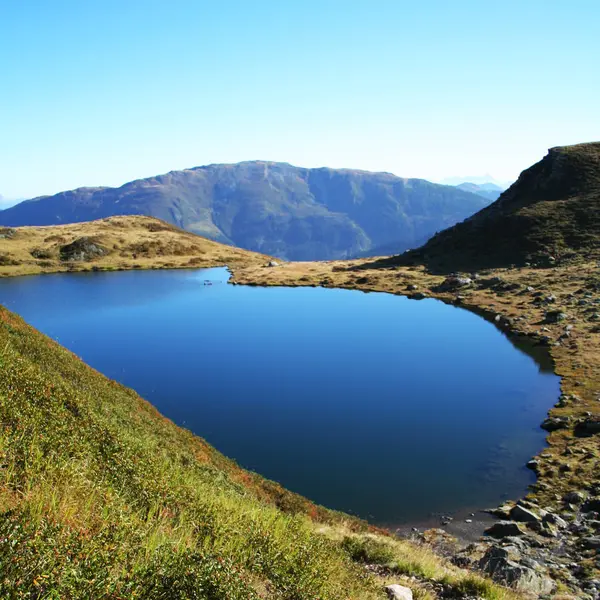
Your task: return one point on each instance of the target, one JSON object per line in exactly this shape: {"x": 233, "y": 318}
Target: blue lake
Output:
{"x": 384, "y": 407}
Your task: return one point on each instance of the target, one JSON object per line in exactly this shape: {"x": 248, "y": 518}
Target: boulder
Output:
{"x": 503, "y": 529}
{"x": 555, "y": 423}
{"x": 587, "y": 427}
{"x": 504, "y": 568}
{"x": 82, "y": 249}
{"x": 398, "y": 592}
{"x": 554, "y": 316}
{"x": 591, "y": 505}
{"x": 273, "y": 263}
{"x": 522, "y": 514}
{"x": 591, "y": 543}
{"x": 418, "y": 296}
{"x": 574, "y": 497}
{"x": 454, "y": 283}
{"x": 555, "y": 520}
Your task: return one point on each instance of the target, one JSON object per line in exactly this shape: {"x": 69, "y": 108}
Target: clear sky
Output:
{"x": 101, "y": 92}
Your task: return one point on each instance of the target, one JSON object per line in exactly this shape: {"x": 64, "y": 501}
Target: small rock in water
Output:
{"x": 468, "y": 520}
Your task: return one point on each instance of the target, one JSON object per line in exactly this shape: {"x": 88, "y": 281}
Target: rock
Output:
{"x": 555, "y": 316}
{"x": 533, "y": 464}
{"x": 591, "y": 543}
{"x": 272, "y": 263}
{"x": 7, "y": 233}
{"x": 503, "y": 568}
{"x": 589, "y": 426}
{"x": 503, "y": 529}
{"x": 501, "y": 511}
{"x": 555, "y": 520}
{"x": 453, "y": 283}
{"x": 574, "y": 498}
{"x": 591, "y": 505}
{"x": 555, "y": 423}
{"x": 398, "y": 592}
{"x": 418, "y": 296}
{"x": 519, "y": 513}
{"x": 550, "y": 299}
{"x": 412, "y": 287}
{"x": 82, "y": 249}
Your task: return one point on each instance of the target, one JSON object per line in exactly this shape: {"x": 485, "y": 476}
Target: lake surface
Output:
{"x": 374, "y": 404}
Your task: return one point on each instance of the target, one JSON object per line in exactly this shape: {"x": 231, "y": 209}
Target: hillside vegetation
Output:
{"x": 273, "y": 208}
{"x": 109, "y": 244}
{"x": 550, "y": 215}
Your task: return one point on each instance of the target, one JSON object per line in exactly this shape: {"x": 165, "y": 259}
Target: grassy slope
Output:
{"x": 131, "y": 242}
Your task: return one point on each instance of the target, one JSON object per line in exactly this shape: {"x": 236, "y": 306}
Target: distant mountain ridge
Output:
{"x": 273, "y": 208}
{"x": 550, "y": 215}
{"x": 491, "y": 191}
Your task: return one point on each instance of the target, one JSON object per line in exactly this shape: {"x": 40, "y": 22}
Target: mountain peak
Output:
{"x": 551, "y": 212}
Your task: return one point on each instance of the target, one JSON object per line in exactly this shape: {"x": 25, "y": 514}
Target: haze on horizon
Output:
{"x": 104, "y": 93}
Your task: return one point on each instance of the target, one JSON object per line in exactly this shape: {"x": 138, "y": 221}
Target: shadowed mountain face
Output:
{"x": 551, "y": 214}
{"x": 274, "y": 208}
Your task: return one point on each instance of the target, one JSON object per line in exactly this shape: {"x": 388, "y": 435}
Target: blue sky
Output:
{"x": 103, "y": 92}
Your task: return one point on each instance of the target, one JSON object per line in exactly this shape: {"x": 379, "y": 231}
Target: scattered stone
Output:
{"x": 418, "y": 296}
{"x": 503, "y": 567}
{"x": 550, "y": 299}
{"x": 555, "y": 423}
{"x": 574, "y": 497}
{"x": 453, "y": 283}
{"x": 412, "y": 287}
{"x": 587, "y": 427}
{"x": 504, "y": 529}
{"x": 591, "y": 543}
{"x": 272, "y": 263}
{"x": 468, "y": 520}
{"x": 591, "y": 505}
{"x": 519, "y": 513}
{"x": 398, "y": 592}
{"x": 555, "y": 316}
{"x": 555, "y": 520}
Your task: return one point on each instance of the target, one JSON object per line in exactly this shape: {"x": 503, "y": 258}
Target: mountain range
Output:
{"x": 274, "y": 208}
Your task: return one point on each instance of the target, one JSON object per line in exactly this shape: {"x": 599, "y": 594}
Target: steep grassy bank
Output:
{"x": 102, "y": 497}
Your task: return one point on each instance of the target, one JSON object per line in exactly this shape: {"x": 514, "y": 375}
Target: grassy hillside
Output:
{"x": 129, "y": 242}
{"x": 273, "y": 208}
{"x": 551, "y": 214}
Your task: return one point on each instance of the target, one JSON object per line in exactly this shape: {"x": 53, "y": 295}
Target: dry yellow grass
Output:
{"x": 130, "y": 242}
